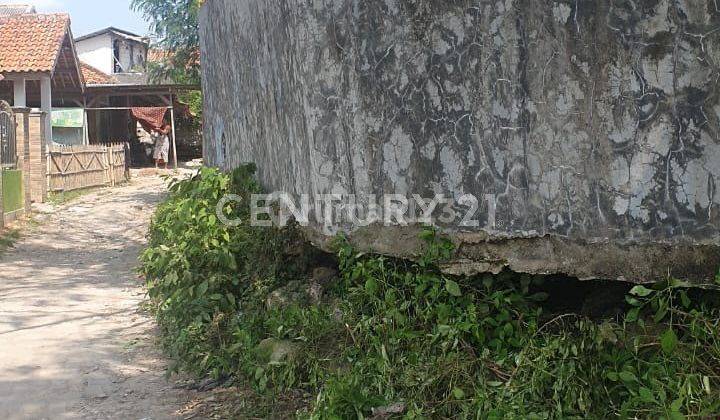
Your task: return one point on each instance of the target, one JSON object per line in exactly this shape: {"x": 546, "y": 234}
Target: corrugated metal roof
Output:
{"x": 115, "y": 31}
{"x": 16, "y": 9}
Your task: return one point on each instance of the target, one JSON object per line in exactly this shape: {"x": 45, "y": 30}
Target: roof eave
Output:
{"x": 76, "y": 60}
{"x": 107, "y": 30}
{"x": 144, "y": 87}
{"x": 15, "y": 74}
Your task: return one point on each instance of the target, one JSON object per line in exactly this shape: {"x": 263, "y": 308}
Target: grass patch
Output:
{"x": 8, "y": 238}
{"x": 58, "y": 198}
{"x": 390, "y": 338}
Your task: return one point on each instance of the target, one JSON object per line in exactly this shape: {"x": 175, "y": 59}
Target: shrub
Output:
{"x": 199, "y": 270}
{"x": 394, "y": 337}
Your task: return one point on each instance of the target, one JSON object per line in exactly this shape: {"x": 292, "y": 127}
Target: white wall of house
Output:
{"x": 97, "y": 52}
{"x": 124, "y": 55}
{"x": 132, "y": 55}
{"x": 141, "y": 52}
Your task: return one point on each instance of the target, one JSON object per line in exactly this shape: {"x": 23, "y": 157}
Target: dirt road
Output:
{"x": 73, "y": 341}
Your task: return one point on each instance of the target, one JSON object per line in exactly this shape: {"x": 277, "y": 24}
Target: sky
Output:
{"x": 90, "y": 15}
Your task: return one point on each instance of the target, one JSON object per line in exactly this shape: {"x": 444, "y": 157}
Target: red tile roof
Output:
{"x": 32, "y": 42}
{"x": 94, "y": 76}
{"x": 157, "y": 56}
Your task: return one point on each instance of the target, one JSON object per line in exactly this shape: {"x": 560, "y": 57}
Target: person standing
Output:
{"x": 162, "y": 147}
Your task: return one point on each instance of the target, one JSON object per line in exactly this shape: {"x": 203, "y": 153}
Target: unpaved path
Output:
{"x": 73, "y": 340}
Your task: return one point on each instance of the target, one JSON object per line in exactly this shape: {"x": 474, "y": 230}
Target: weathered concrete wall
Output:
{"x": 595, "y": 124}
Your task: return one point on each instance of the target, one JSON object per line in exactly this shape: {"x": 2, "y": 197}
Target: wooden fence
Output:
{"x": 76, "y": 167}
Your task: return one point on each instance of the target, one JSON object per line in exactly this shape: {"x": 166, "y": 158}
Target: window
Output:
{"x": 117, "y": 68}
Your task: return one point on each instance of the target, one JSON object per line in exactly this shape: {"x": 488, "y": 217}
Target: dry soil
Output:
{"x": 74, "y": 341}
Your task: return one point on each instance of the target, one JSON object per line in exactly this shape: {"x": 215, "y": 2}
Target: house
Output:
{"x": 85, "y": 88}
{"x": 114, "y": 65}
{"x": 115, "y": 52}
{"x": 39, "y": 63}
{"x": 41, "y": 72}
{"x": 57, "y": 98}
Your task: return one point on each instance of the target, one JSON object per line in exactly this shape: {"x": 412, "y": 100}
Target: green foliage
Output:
{"x": 198, "y": 269}
{"x": 420, "y": 337}
{"x": 194, "y": 101}
{"x": 58, "y": 198}
{"x": 7, "y": 239}
{"x": 392, "y": 333}
{"x": 175, "y": 26}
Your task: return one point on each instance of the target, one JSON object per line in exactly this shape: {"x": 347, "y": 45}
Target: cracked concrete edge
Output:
{"x": 481, "y": 253}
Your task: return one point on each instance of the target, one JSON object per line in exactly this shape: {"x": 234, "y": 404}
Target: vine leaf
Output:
{"x": 453, "y": 288}
{"x": 669, "y": 341}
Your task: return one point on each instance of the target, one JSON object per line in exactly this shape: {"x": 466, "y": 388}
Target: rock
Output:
{"x": 43, "y": 208}
{"x": 325, "y": 276}
{"x": 396, "y": 409}
{"x": 196, "y": 163}
{"x": 273, "y": 350}
{"x": 275, "y": 300}
{"x": 315, "y": 293}
{"x": 209, "y": 384}
{"x": 300, "y": 293}
{"x": 338, "y": 314}
{"x": 291, "y": 293}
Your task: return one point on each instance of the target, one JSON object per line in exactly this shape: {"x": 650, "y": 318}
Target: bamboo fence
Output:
{"x": 77, "y": 167}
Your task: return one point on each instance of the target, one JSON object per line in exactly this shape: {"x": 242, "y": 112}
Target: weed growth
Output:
{"x": 400, "y": 338}
{"x": 58, "y": 198}
{"x": 7, "y": 239}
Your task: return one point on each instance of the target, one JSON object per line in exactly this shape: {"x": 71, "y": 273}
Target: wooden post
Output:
{"x": 86, "y": 129}
{"x": 172, "y": 121}
{"x": 110, "y": 164}
{"x": 126, "y": 160}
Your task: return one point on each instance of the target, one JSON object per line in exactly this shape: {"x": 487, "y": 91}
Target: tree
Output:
{"x": 174, "y": 24}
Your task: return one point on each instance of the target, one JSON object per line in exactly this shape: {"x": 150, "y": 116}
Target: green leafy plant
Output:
{"x": 174, "y": 24}
{"x": 402, "y": 337}
{"x": 198, "y": 269}
{"x": 8, "y": 238}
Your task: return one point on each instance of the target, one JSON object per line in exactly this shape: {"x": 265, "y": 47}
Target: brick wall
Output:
{"x": 22, "y": 136}
{"x": 37, "y": 157}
